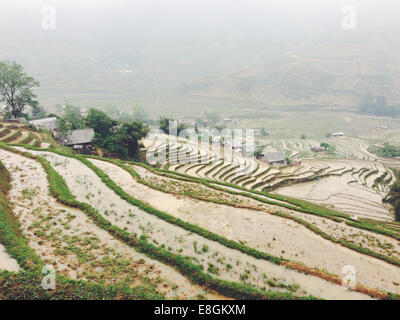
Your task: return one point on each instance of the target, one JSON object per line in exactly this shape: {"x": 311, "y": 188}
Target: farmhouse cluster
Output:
{"x": 79, "y": 140}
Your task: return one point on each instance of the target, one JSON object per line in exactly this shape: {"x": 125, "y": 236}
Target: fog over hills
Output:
{"x": 272, "y": 52}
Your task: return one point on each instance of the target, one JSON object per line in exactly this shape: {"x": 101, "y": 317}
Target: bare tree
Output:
{"x": 16, "y": 88}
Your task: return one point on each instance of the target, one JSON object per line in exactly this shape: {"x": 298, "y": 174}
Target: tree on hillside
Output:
{"x": 263, "y": 132}
{"x": 124, "y": 140}
{"x": 71, "y": 120}
{"x": 164, "y": 125}
{"x": 100, "y": 122}
{"x": 393, "y": 197}
{"x": 16, "y": 88}
{"x": 324, "y": 145}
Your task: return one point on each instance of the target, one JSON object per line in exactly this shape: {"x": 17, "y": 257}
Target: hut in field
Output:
{"x": 275, "y": 158}
{"x": 318, "y": 149}
{"x": 296, "y": 162}
{"x": 237, "y": 146}
{"x": 49, "y": 124}
{"x": 80, "y": 140}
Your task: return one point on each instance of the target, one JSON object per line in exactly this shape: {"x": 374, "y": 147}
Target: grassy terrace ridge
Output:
{"x": 60, "y": 191}
{"x": 10, "y": 233}
{"x": 26, "y": 284}
{"x": 255, "y": 253}
{"x": 291, "y": 203}
{"x": 13, "y": 137}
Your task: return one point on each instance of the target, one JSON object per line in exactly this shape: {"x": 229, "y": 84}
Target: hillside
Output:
{"x": 129, "y": 230}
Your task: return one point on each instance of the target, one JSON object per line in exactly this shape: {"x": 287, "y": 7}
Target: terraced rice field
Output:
{"x": 13, "y": 133}
{"x": 215, "y": 215}
{"x": 355, "y": 183}
{"x": 75, "y": 246}
{"x": 215, "y": 258}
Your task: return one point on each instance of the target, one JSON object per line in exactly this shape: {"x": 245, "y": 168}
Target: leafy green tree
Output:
{"x": 124, "y": 141}
{"x": 393, "y": 197}
{"x": 100, "y": 122}
{"x": 258, "y": 152}
{"x": 71, "y": 120}
{"x": 388, "y": 150}
{"x": 16, "y": 88}
{"x": 164, "y": 125}
{"x": 324, "y": 145}
{"x": 263, "y": 132}
{"x": 303, "y": 136}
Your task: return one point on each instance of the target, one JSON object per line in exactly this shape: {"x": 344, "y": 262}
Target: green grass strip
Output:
{"x": 13, "y": 137}
{"x": 10, "y": 233}
{"x": 26, "y": 285}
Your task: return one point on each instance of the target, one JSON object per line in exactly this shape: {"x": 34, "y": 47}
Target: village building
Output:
{"x": 318, "y": 149}
{"x": 237, "y": 147}
{"x": 296, "y": 162}
{"x": 275, "y": 158}
{"x": 80, "y": 140}
{"x": 49, "y": 124}
{"x": 261, "y": 157}
{"x": 216, "y": 139}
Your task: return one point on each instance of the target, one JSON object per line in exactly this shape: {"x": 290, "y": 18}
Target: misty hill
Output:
{"x": 123, "y": 53}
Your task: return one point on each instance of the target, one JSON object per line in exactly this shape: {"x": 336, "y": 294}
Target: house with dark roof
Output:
{"x": 275, "y": 158}
{"x": 81, "y": 139}
{"x": 49, "y": 124}
{"x": 318, "y": 149}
